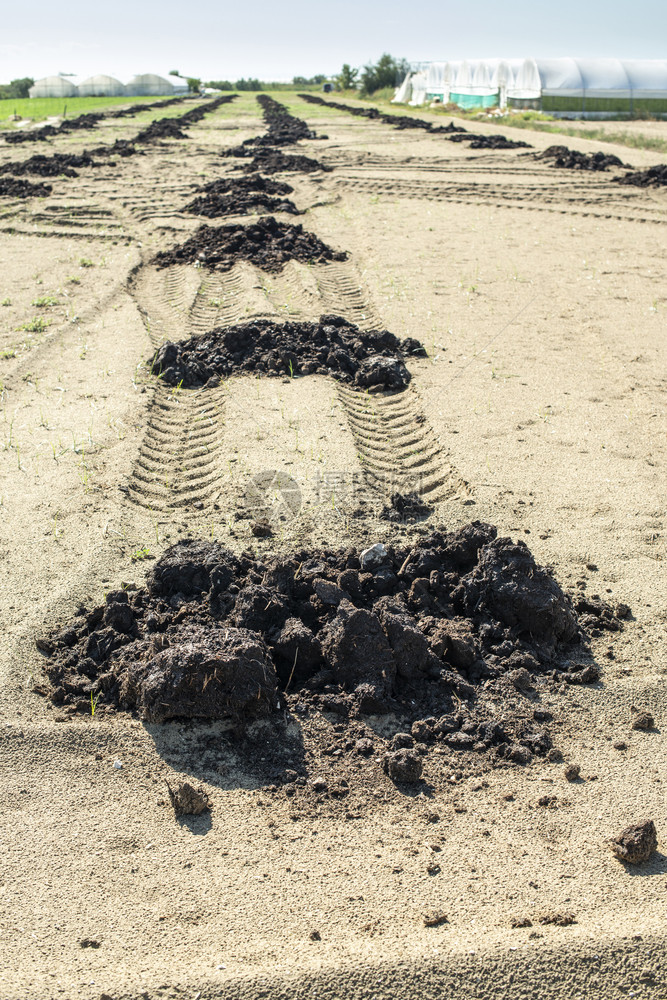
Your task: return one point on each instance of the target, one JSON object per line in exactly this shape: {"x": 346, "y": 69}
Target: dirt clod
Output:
{"x": 435, "y": 918}
{"x": 643, "y": 721}
{"x": 403, "y": 765}
{"x": 187, "y": 800}
{"x": 11, "y": 187}
{"x": 636, "y": 843}
{"x": 572, "y": 772}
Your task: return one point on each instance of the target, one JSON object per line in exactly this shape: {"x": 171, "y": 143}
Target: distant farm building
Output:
{"x": 143, "y": 85}
{"x": 562, "y": 87}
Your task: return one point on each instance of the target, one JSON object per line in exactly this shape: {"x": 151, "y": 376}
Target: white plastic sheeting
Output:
{"x": 101, "y": 86}
{"x": 532, "y": 79}
{"x": 54, "y": 86}
{"x": 148, "y": 85}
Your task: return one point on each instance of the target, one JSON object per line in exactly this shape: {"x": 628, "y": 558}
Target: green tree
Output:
{"x": 347, "y": 78}
{"x": 194, "y": 84}
{"x": 20, "y": 88}
{"x": 386, "y": 72}
{"x": 220, "y": 85}
{"x": 249, "y": 84}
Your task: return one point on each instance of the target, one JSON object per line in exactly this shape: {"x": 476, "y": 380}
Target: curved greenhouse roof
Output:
{"x": 53, "y": 86}
{"x": 581, "y": 86}
{"x": 148, "y": 85}
{"x": 101, "y": 86}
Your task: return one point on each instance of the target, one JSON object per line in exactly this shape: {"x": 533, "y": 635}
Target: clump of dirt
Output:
{"x": 11, "y": 187}
{"x": 135, "y": 109}
{"x": 570, "y": 159}
{"x": 251, "y": 183}
{"x": 284, "y": 129}
{"x": 266, "y": 243}
{"x": 653, "y": 177}
{"x": 643, "y": 721}
{"x": 371, "y": 360}
{"x": 429, "y": 633}
{"x": 187, "y": 800}
{"x": 635, "y": 844}
{"x": 273, "y": 161}
{"x": 58, "y": 165}
{"x": 405, "y": 508}
{"x": 332, "y": 346}
{"x": 213, "y": 206}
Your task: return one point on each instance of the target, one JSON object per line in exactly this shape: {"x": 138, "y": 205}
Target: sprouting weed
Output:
{"x": 139, "y": 554}
{"x": 44, "y": 301}
{"x": 94, "y": 701}
{"x": 86, "y": 262}
{"x": 6, "y": 302}
{"x": 36, "y": 325}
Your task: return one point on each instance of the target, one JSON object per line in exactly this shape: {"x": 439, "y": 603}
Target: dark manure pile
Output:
{"x": 653, "y": 177}
{"x": 569, "y": 159}
{"x": 12, "y": 187}
{"x": 448, "y": 635}
{"x": 273, "y": 161}
{"x": 490, "y": 141}
{"x": 332, "y": 346}
{"x": 250, "y": 184}
{"x": 58, "y": 165}
{"x": 283, "y": 128}
{"x": 213, "y": 206}
{"x": 266, "y": 243}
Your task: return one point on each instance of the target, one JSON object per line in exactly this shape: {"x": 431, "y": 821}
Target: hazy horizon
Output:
{"x": 277, "y": 42}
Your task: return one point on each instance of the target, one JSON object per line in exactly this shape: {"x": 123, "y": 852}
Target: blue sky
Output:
{"x": 224, "y": 40}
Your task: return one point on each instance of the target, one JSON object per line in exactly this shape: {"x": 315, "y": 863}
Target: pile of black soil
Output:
{"x": 569, "y": 159}
{"x": 332, "y": 346}
{"x": 445, "y": 635}
{"x": 490, "y": 141}
{"x": 284, "y": 129}
{"x": 251, "y": 183}
{"x": 266, "y": 243}
{"x": 405, "y": 508}
{"x": 273, "y": 161}
{"x": 11, "y": 187}
{"x": 653, "y": 177}
{"x": 213, "y": 206}
{"x": 121, "y": 147}
{"x": 58, "y": 165}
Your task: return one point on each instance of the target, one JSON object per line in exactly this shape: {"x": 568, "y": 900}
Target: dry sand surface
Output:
{"x": 541, "y": 297}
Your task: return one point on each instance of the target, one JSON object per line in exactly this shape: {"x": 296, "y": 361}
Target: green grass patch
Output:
{"x": 39, "y": 108}
{"x": 36, "y": 325}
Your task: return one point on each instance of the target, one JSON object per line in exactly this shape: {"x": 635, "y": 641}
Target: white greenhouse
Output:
{"x": 54, "y": 86}
{"x": 152, "y": 85}
{"x": 579, "y": 87}
{"x": 101, "y": 86}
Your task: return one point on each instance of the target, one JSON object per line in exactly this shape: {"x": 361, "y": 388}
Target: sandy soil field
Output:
{"x": 540, "y": 296}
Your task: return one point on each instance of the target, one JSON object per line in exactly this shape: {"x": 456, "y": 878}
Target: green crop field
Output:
{"x": 39, "y": 108}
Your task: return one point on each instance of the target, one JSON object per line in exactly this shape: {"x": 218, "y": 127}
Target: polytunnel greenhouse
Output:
{"x": 54, "y": 86}
{"x": 101, "y": 86}
{"x": 568, "y": 86}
